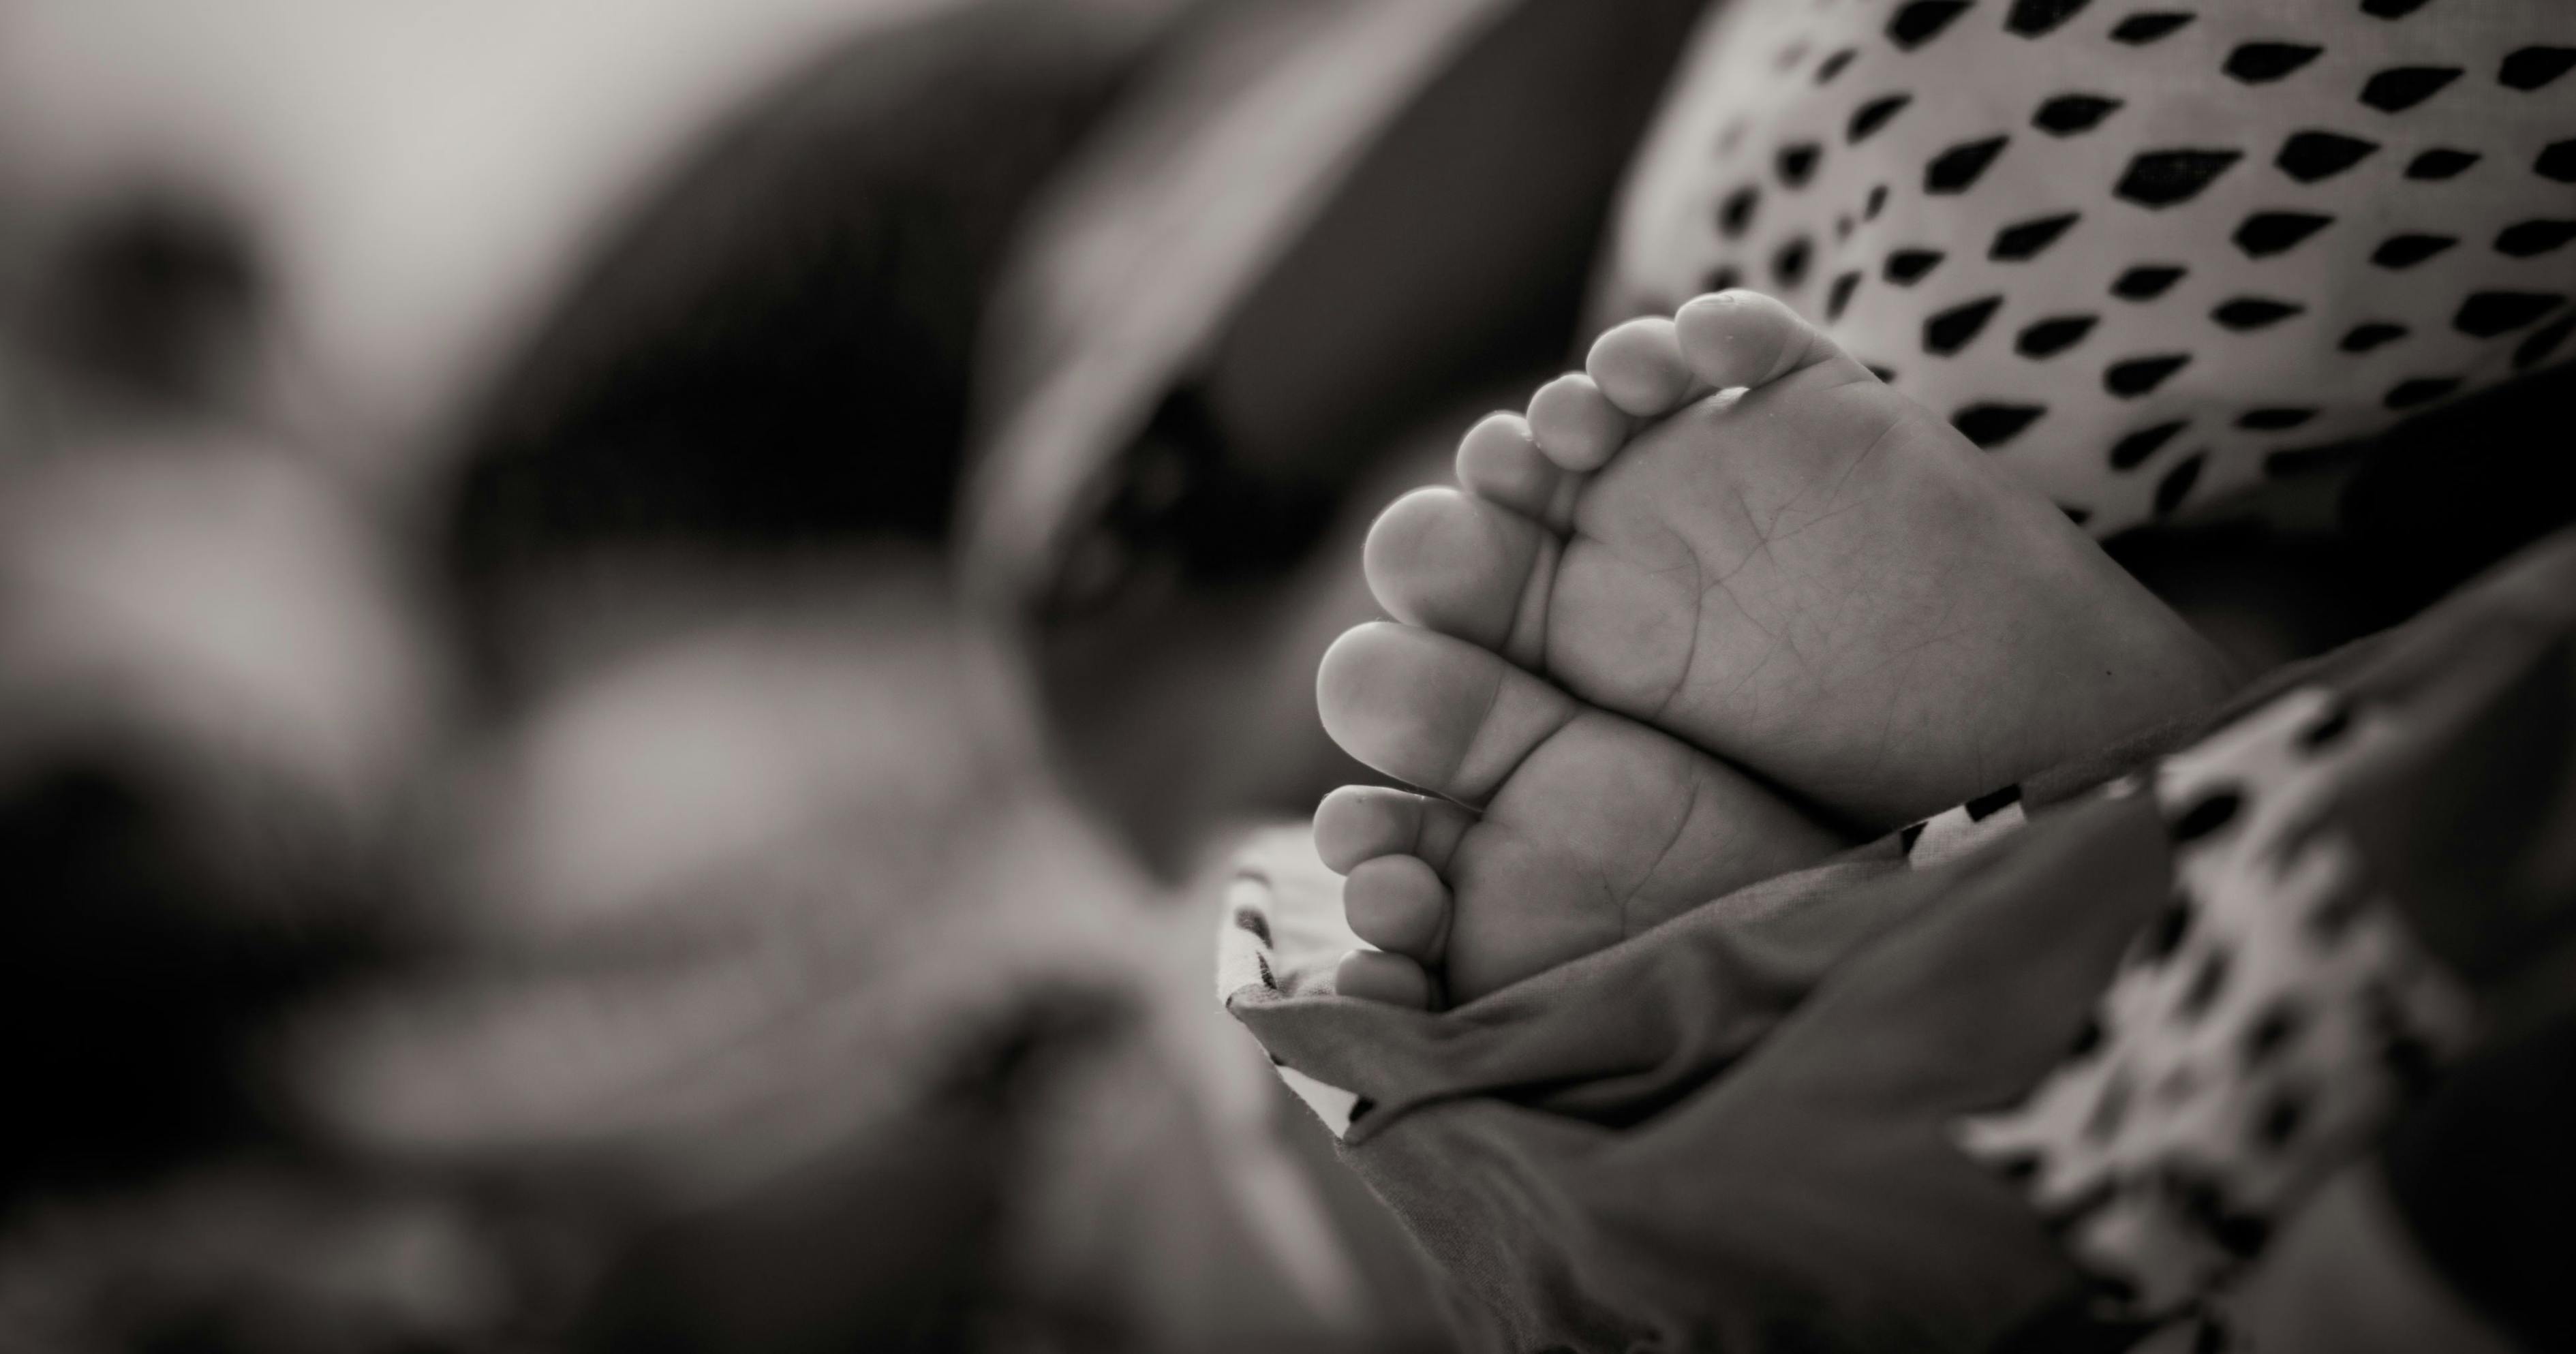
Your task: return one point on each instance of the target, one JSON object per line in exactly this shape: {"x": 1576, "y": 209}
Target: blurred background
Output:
{"x": 633, "y": 635}
{"x": 515, "y": 830}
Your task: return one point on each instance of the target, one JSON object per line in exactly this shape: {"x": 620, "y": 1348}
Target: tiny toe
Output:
{"x": 1575, "y": 424}
{"x": 1460, "y": 565}
{"x": 1359, "y": 823}
{"x": 1399, "y": 905}
{"x": 1432, "y": 711}
{"x": 1372, "y": 975}
{"x": 1742, "y": 338}
{"x": 1499, "y": 461}
{"x": 1639, "y": 367}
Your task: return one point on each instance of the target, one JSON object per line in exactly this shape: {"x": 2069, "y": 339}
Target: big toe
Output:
{"x": 1742, "y": 338}
{"x": 1433, "y": 711}
{"x": 1463, "y": 566}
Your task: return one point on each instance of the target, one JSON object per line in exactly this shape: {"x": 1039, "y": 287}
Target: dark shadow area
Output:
{"x": 772, "y": 351}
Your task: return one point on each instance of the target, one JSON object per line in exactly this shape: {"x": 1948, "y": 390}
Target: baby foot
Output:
{"x": 1815, "y": 579}
{"x": 1588, "y": 827}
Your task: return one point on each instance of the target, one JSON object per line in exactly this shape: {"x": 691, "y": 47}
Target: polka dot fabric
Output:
{"x": 2259, "y": 1032}
{"x": 2155, "y": 255}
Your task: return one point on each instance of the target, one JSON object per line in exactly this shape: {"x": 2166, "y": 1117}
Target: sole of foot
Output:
{"x": 1549, "y": 829}
{"x": 1723, "y": 558}
{"x": 1808, "y": 575}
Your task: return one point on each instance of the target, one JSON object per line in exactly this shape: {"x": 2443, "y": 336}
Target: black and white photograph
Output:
{"x": 1287, "y": 676}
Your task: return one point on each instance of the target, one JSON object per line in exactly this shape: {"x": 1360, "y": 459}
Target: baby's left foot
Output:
{"x": 1820, "y": 580}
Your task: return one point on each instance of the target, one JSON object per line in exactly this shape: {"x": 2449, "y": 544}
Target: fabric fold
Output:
{"x": 1849, "y": 1108}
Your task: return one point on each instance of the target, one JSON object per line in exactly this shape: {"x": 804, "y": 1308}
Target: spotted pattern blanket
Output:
{"x": 2157, "y": 257}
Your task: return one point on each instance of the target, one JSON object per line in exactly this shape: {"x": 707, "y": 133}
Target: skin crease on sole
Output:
{"x": 1808, "y": 576}
{"x": 1585, "y": 827}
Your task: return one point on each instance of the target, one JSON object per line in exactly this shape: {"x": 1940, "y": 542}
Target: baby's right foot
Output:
{"x": 1588, "y": 827}
{"x": 1818, "y": 580}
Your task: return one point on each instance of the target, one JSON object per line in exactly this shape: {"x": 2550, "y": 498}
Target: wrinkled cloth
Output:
{"x": 1745, "y": 1129}
{"x": 2261, "y": 1029}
